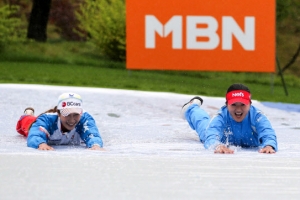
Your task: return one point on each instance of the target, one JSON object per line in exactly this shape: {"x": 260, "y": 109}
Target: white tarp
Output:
{"x": 151, "y": 153}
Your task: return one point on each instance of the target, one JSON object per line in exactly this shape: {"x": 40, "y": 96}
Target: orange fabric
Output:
{"x": 165, "y": 57}
{"x": 24, "y": 123}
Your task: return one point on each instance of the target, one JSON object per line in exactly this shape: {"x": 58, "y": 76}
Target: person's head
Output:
{"x": 69, "y": 108}
{"x": 238, "y": 101}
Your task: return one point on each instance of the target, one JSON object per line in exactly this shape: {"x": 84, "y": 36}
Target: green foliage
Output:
{"x": 282, "y": 9}
{"x": 287, "y": 9}
{"x": 10, "y": 26}
{"x": 104, "y": 20}
{"x": 287, "y": 34}
{"x": 55, "y": 52}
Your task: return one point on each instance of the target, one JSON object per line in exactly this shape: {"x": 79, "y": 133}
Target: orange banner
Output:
{"x": 214, "y": 35}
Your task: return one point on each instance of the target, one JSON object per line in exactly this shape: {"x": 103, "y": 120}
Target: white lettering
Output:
{"x": 174, "y": 26}
{"x": 240, "y": 94}
{"x": 246, "y": 38}
{"x": 209, "y": 32}
{"x": 229, "y": 29}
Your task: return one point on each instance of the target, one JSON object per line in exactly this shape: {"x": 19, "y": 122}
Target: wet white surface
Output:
{"x": 151, "y": 153}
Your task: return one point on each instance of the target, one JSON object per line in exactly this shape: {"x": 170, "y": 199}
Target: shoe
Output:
{"x": 29, "y": 111}
{"x": 196, "y": 100}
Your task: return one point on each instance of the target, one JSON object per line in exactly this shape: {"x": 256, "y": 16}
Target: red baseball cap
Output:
{"x": 241, "y": 96}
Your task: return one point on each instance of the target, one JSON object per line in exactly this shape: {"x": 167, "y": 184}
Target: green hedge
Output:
{"x": 10, "y": 26}
{"x": 104, "y": 21}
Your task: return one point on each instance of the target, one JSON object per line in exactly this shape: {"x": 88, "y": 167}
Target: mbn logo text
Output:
{"x": 230, "y": 28}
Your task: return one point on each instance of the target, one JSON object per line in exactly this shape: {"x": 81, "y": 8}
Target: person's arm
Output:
{"x": 38, "y": 132}
{"x": 89, "y": 132}
{"x": 266, "y": 134}
{"x": 215, "y": 132}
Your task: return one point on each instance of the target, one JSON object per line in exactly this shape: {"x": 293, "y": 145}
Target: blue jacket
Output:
{"x": 255, "y": 130}
{"x": 46, "y": 129}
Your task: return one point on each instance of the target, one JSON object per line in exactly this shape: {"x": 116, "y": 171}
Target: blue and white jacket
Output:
{"x": 254, "y": 131}
{"x": 47, "y": 129}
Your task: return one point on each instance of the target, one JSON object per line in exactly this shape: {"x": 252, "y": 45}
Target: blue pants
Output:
{"x": 198, "y": 120}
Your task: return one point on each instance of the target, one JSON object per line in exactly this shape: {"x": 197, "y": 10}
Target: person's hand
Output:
{"x": 267, "y": 149}
{"x": 223, "y": 149}
{"x": 44, "y": 146}
{"x": 96, "y": 147}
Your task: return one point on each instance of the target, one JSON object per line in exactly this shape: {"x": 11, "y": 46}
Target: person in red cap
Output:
{"x": 237, "y": 123}
{"x": 65, "y": 124}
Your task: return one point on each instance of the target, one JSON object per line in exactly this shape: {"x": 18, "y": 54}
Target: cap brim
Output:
{"x": 66, "y": 111}
{"x": 240, "y": 100}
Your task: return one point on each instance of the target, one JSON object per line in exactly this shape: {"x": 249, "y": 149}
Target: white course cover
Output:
{"x": 150, "y": 152}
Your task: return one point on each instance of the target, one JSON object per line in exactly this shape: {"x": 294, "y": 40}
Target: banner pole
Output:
{"x": 281, "y": 75}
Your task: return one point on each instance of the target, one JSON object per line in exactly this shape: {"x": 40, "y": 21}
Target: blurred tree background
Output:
{"x": 103, "y": 23}
{"x": 288, "y": 35}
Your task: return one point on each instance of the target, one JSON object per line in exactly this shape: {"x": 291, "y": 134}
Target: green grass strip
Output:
{"x": 264, "y": 87}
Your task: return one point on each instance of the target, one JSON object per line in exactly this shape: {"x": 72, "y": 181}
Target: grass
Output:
{"x": 77, "y": 64}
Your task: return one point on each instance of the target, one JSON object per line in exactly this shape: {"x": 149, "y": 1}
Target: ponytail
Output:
{"x": 52, "y": 110}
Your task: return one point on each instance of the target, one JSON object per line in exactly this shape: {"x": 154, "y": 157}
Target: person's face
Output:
{"x": 238, "y": 111}
{"x": 69, "y": 122}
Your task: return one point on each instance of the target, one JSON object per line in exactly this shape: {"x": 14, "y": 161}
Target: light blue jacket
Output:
{"x": 46, "y": 129}
{"x": 255, "y": 130}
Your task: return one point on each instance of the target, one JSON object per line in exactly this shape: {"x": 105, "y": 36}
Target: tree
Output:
{"x": 287, "y": 14}
{"x": 37, "y": 28}
{"x": 62, "y": 16}
{"x": 105, "y": 23}
{"x": 11, "y": 30}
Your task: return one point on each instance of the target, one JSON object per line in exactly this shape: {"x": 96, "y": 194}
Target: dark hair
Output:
{"x": 52, "y": 110}
{"x": 238, "y": 86}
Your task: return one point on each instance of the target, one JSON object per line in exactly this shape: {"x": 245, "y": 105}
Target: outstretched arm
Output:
{"x": 266, "y": 134}
{"x": 89, "y": 132}
{"x": 39, "y": 132}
